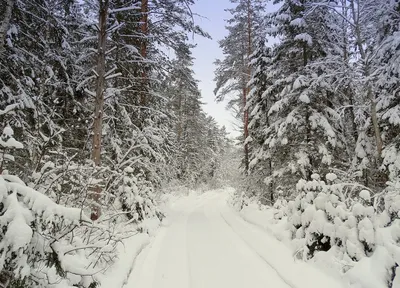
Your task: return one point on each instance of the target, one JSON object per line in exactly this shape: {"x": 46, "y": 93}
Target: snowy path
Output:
{"x": 208, "y": 245}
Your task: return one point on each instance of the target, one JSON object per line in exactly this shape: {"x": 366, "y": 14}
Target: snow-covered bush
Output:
{"x": 38, "y": 245}
{"x": 320, "y": 216}
{"x": 325, "y": 223}
{"x": 126, "y": 193}
{"x": 280, "y": 206}
{"x": 308, "y": 217}
{"x": 136, "y": 197}
{"x": 361, "y": 228}
{"x": 40, "y": 241}
{"x": 46, "y": 244}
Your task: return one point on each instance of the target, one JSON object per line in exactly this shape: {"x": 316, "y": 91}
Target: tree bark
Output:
{"x": 246, "y": 129}
{"x": 246, "y": 88}
{"x": 348, "y": 91}
{"x": 180, "y": 119}
{"x": 6, "y": 18}
{"x": 99, "y": 105}
{"x": 143, "y": 48}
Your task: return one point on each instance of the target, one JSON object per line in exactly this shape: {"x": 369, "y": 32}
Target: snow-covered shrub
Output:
{"x": 43, "y": 243}
{"x": 126, "y": 193}
{"x": 361, "y": 224}
{"x": 388, "y": 231}
{"x": 136, "y": 197}
{"x": 280, "y": 206}
{"x": 305, "y": 198}
{"x": 7, "y": 145}
{"x": 40, "y": 240}
{"x": 317, "y": 214}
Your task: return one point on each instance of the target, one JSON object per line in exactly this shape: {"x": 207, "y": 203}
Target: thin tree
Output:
{"x": 99, "y": 104}
{"x": 143, "y": 46}
{"x": 234, "y": 72}
{"x": 6, "y": 17}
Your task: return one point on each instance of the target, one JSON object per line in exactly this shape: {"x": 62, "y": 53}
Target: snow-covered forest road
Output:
{"x": 206, "y": 244}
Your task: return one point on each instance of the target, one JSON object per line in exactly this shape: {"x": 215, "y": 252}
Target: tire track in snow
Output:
{"x": 188, "y": 258}
{"x": 283, "y": 278}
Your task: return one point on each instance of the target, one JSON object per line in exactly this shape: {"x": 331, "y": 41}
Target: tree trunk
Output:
{"x": 5, "y": 22}
{"x": 271, "y": 184}
{"x": 348, "y": 91}
{"x": 246, "y": 129}
{"x": 354, "y": 131}
{"x": 180, "y": 118}
{"x": 143, "y": 48}
{"x": 246, "y": 88}
{"x": 309, "y": 141}
{"x": 370, "y": 94}
{"x": 98, "y": 112}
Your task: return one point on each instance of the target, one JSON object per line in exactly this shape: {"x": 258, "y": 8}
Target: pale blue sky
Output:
{"x": 206, "y": 52}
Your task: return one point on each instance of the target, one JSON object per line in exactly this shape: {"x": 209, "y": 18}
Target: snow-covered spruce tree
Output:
{"x": 364, "y": 19}
{"x": 304, "y": 132}
{"x": 234, "y": 71}
{"x": 185, "y": 102}
{"x": 40, "y": 71}
{"x": 385, "y": 75}
{"x": 258, "y": 104}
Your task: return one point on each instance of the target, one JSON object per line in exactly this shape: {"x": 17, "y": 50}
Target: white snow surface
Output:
{"x": 204, "y": 243}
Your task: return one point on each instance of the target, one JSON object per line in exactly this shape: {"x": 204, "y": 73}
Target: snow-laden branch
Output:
{"x": 124, "y": 9}
{"x": 9, "y": 108}
{"x": 40, "y": 203}
{"x": 113, "y": 75}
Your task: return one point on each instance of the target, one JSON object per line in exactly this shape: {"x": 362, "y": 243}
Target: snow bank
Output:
{"x": 265, "y": 219}
{"x": 296, "y": 274}
{"x": 351, "y": 242}
{"x": 128, "y": 251}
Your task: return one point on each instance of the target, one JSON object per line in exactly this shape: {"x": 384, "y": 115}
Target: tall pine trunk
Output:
{"x": 5, "y": 22}
{"x": 99, "y": 105}
{"x": 143, "y": 48}
{"x": 246, "y": 88}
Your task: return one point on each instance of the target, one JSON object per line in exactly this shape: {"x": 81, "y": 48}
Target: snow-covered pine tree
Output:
{"x": 234, "y": 71}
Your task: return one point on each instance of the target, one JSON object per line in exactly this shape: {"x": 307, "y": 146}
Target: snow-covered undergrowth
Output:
{"x": 49, "y": 245}
{"x": 355, "y": 238}
{"x": 47, "y": 239}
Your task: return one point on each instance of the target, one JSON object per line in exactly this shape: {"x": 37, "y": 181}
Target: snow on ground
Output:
{"x": 118, "y": 274}
{"x": 369, "y": 272}
{"x": 206, "y": 244}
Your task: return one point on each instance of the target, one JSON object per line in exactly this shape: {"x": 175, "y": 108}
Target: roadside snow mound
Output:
{"x": 345, "y": 237}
